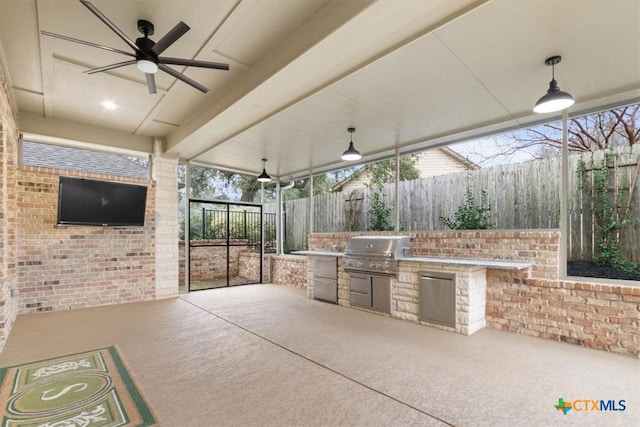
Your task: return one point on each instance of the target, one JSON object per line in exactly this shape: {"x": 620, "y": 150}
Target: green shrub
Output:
{"x": 470, "y": 215}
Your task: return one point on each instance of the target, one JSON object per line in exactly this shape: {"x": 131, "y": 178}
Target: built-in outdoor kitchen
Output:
{"x": 508, "y": 280}
{"x": 385, "y": 274}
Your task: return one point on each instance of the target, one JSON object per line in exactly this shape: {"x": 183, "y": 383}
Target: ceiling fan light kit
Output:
{"x": 146, "y": 51}
{"x": 351, "y": 153}
{"x": 554, "y": 99}
{"x": 147, "y": 66}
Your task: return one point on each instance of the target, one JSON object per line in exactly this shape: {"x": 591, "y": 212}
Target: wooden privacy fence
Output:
{"x": 522, "y": 196}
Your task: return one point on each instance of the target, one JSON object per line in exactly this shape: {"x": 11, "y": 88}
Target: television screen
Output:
{"x": 101, "y": 203}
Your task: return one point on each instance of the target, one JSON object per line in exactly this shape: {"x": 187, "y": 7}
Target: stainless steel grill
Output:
{"x": 375, "y": 254}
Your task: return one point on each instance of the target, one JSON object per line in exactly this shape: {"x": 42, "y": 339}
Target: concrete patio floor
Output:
{"x": 267, "y": 355}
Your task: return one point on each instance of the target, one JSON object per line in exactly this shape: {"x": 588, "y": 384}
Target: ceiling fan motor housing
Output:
{"x": 146, "y": 44}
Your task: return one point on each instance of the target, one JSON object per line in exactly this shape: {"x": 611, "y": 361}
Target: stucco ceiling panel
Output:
{"x": 72, "y": 85}
{"x": 523, "y": 34}
{"x": 19, "y": 43}
{"x": 266, "y": 22}
{"x": 29, "y": 101}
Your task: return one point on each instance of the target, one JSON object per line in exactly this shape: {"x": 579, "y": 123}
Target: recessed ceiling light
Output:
{"x": 109, "y": 105}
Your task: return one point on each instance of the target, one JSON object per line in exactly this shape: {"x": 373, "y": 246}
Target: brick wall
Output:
{"x": 604, "y": 317}
{"x": 538, "y": 246}
{"x": 249, "y": 266}
{"x": 8, "y": 142}
{"x": 71, "y": 267}
{"x": 210, "y": 262}
{"x": 289, "y": 270}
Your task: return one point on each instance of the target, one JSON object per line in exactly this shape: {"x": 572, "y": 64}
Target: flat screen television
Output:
{"x": 84, "y": 201}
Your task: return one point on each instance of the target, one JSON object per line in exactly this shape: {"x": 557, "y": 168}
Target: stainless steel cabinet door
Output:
{"x": 381, "y": 294}
{"x": 360, "y": 294}
{"x": 438, "y": 299}
{"x": 326, "y": 290}
{"x": 325, "y": 267}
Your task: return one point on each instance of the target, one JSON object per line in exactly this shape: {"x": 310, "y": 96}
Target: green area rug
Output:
{"x": 85, "y": 389}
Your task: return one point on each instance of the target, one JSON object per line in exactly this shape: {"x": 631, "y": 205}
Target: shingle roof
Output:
{"x": 56, "y": 157}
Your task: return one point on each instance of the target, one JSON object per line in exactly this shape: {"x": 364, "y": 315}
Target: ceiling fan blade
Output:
{"x": 168, "y": 39}
{"x": 182, "y": 77}
{"x": 71, "y": 39}
{"x": 110, "y": 24}
{"x": 110, "y": 67}
{"x": 193, "y": 63}
{"x": 151, "y": 82}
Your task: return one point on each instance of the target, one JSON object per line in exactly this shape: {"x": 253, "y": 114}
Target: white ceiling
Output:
{"x": 406, "y": 74}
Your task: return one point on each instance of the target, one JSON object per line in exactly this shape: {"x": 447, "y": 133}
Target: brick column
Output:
{"x": 165, "y": 174}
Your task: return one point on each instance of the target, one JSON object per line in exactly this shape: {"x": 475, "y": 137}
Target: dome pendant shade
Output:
{"x": 554, "y": 99}
{"x": 351, "y": 153}
{"x": 264, "y": 176}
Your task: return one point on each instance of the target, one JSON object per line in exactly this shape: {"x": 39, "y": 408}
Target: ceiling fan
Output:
{"x": 146, "y": 51}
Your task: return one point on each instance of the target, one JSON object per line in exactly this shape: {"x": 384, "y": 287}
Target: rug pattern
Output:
{"x": 92, "y": 388}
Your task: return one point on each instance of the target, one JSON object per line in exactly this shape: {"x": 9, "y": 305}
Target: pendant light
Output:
{"x": 554, "y": 99}
{"x": 264, "y": 176}
{"x": 351, "y": 153}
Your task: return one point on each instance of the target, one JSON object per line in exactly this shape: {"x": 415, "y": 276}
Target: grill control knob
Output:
{"x": 348, "y": 262}
{"x": 360, "y": 263}
{"x": 372, "y": 265}
{"x": 385, "y": 265}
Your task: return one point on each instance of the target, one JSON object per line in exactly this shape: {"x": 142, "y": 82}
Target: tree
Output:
{"x": 597, "y": 131}
{"x": 619, "y": 127}
{"x": 385, "y": 170}
{"x": 322, "y": 183}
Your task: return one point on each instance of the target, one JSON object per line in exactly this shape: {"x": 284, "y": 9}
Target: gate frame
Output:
{"x": 187, "y": 246}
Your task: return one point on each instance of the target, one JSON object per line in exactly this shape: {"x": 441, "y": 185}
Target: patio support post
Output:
{"x": 279, "y": 219}
{"x": 311, "y": 204}
{"x": 262, "y": 229}
{"x": 564, "y": 197}
{"x": 395, "y": 198}
{"x": 187, "y": 225}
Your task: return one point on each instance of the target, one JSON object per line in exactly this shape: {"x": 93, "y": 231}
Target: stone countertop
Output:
{"x": 488, "y": 263}
{"x": 318, "y": 253}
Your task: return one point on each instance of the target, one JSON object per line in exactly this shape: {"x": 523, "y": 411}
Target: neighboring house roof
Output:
{"x": 459, "y": 157}
{"x": 57, "y": 157}
{"x": 425, "y": 164}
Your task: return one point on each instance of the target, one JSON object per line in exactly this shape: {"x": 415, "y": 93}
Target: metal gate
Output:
{"x": 225, "y": 244}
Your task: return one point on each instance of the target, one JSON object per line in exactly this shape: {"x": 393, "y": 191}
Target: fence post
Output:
{"x": 244, "y": 224}
{"x": 204, "y": 227}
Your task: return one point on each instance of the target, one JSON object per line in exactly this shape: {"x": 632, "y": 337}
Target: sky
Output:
{"x": 486, "y": 152}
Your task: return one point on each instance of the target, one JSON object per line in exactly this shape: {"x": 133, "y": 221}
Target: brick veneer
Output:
{"x": 9, "y": 135}
{"x": 249, "y": 266}
{"x": 289, "y": 270}
{"x": 604, "y": 317}
{"x": 532, "y": 302}
{"x": 72, "y": 267}
{"x": 210, "y": 262}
